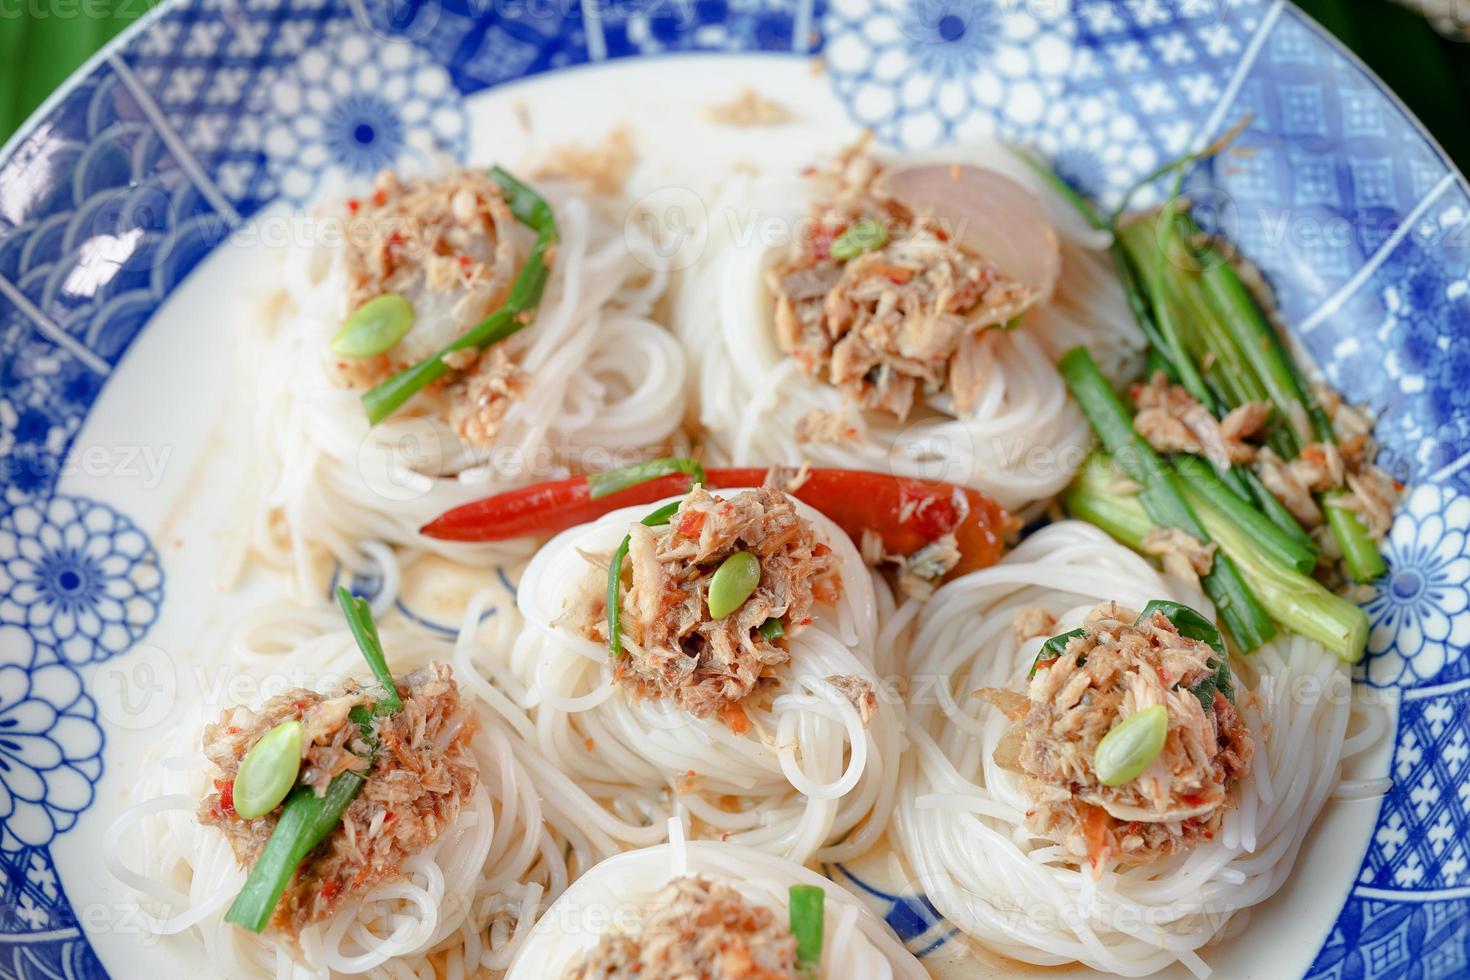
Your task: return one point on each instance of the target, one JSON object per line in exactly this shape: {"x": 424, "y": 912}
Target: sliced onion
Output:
{"x": 989, "y": 214}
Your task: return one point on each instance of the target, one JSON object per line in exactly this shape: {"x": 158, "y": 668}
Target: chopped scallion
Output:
{"x": 865, "y": 236}
{"x": 806, "y": 905}
{"x": 658, "y": 518}
{"x": 375, "y": 326}
{"x": 624, "y": 477}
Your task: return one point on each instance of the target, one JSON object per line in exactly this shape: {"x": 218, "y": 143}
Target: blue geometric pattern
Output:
{"x": 222, "y": 107}
{"x": 1324, "y": 174}
{"x": 210, "y": 67}
{"x": 480, "y": 49}
{"x": 114, "y": 225}
{"x": 1422, "y": 842}
{"x": 1407, "y": 355}
{"x": 632, "y": 29}
{"x": 33, "y": 904}
{"x": 1148, "y": 78}
{"x": 1377, "y": 940}
{"x": 351, "y": 108}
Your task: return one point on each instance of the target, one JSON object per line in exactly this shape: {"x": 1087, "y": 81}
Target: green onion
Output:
{"x": 1285, "y": 548}
{"x": 1131, "y": 747}
{"x": 806, "y": 906}
{"x": 1359, "y": 551}
{"x": 306, "y": 819}
{"x": 1161, "y": 496}
{"x": 1184, "y": 291}
{"x": 1298, "y": 602}
{"x": 612, "y": 481}
{"x": 268, "y": 771}
{"x": 733, "y": 582}
{"x": 1262, "y": 347}
{"x": 658, "y": 518}
{"x": 1290, "y": 393}
{"x": 1054, "y": 648}
{"x": 375, "y": 326}
{"x": 519, "y": 310}
{"x": 360, "y": 621}
{"x": 772, "y": 629}
{"x": 1139, "y": 241}
{"x": 865, "y": 236}
{"x": 1093, "y": 498}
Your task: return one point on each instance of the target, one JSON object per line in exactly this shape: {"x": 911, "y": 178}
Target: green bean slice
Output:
{"x": 375, "y": 326}
{"x": 268, "y": 771}
{"x": 1133, "y": 744}
{"x": 733, "y": 582}
{"x": 865, "y": 236}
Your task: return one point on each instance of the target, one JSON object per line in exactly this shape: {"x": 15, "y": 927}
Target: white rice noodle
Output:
{"x": 960, "y": 820}
{"x": 614, "y": 895}
{"x": 607, "y": 387}
{"x": 1021, "y": 441}
{"x": 465, "y": 903}
{"x": 806, "y": 781}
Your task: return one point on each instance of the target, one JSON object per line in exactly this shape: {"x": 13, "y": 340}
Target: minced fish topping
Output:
{"x": 425, "y": 772}
{"x": 900, "y": 321}
{"x": 673, "y": 647}
{"x": 449, "y": 247}
{"x": 696, "y": 929}
{"x": 1116, "y": 669}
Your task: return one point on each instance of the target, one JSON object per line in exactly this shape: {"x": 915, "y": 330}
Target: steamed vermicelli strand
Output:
{"x": 679, "y": 909}
{"x": 780, "y": 744}
{"x": 592, "y": 382}
{"x": 467, "y": 896}
{"x": 923, "y": 379}
{"x": 984, "y": 850}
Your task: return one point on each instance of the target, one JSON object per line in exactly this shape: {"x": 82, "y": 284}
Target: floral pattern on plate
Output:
{"x": 352, "y": 107}
{"x": 80, "y": 576}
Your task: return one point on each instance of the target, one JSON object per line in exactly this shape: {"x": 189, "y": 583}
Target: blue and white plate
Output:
{"x": 135, "y": 206}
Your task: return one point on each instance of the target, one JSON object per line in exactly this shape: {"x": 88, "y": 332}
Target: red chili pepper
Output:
{"x": 1095, "y": 832}
{"x": 226, "y": 789}
{"x": 690, "y": 523}
{"x": 906, "y": 513}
